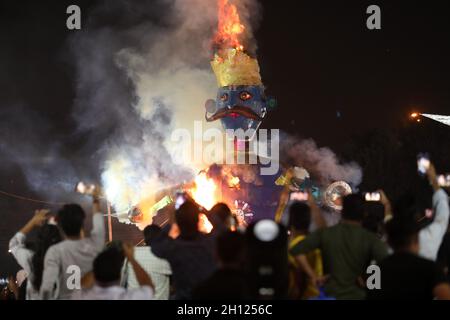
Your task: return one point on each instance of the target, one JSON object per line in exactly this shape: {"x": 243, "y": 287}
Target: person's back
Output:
{"x": 79, "y": 253}
{"x": 32, "y": 261}
{"x": 228, "y": 282}
{"x": 74, "y": 254}
{"x": 405, "y": 275}
{"x": 107, "y": 273}
{"x": 347, "y": 250}
{"x": 191, "y": 255}
{"x": 192, "y": 262}
{"x": 300, "y": 218}
{"x": 158, "y": 269}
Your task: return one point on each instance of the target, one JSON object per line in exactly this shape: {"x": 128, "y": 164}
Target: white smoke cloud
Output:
{"x": 140, "y": 78}
{"x": 322, "y": 163}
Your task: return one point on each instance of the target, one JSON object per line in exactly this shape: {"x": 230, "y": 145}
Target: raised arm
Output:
{"x": 17, "y": 243}
{"x": 98, "y": 232}
{"x": 387, "y": 206}
{"x": 162, "y": 245}
{"x": 142, "y": 276}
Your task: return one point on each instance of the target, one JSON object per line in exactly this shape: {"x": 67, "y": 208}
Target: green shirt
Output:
{"x": 347, "y": 250}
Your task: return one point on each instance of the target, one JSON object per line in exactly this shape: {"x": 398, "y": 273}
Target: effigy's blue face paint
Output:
{"x": 239, "y": 107}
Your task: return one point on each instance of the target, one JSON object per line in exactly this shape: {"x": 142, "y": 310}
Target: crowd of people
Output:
{"x": 406, "y": 245}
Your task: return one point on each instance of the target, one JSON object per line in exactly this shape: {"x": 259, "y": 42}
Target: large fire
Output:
{"x": 204, "y": 191}
{"x": 230, "y": 26}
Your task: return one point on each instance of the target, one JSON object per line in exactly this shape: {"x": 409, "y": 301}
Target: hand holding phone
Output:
{"x": 85, "y": 188}
{"x": 423, "y": 163}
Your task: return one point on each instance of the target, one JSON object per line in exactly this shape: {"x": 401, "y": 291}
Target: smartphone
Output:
{"x": 444, "y": 181}
{"x": 299, "y": 196}
{"x": 423, "y": 163}
{"x": 180, "y": 199}
{"x": 372, "y": 196}
{"x": 85, "y": 188}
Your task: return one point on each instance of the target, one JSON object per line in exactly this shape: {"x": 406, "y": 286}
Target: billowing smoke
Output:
{"x": 321, "y": 162}
{"x": 28, "y": 142}
{"x": 143, "y": 71}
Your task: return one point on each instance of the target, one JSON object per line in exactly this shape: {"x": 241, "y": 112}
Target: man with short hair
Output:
{"x": 190, "y": 255}
{"x": 228, "y": 282}
{"x": 347, "y": 249}
{"x": 301, "y": 215}
{"x": 158, "y": 269}
{"x": 107, "y": 273}
{"x": 405, "y": 275}
{"x": 76, "y": 252}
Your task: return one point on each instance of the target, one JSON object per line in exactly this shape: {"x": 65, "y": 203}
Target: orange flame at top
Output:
{"x": 230, "y": 26}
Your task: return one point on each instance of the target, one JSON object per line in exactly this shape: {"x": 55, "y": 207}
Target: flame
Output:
{"x": 204, "y": 225}
{"x": 229, "y": 27}
{"x": 204, "y": 191}
{"x": 231, "y": 180}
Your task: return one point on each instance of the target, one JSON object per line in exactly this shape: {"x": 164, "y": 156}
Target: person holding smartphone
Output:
{"x": 32, "y": 261}
{"x": 430, "y": 237}
{"x": 76, "y": 249}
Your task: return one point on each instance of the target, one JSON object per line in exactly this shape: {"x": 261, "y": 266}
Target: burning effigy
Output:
{"x": 241, "y": 104}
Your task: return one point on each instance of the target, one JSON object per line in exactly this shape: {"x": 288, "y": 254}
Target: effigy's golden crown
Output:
{"x": 235, "y": 67}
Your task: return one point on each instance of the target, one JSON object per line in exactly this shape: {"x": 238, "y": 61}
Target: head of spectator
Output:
{"x": 187, "y": 217}
{"x": 150, "y": 233}
{"x": 403, "y": 235}
{"x": 374, "y": 217}
{"x": 353, "y": 208}
{"x": 47, "y": 236}
{"x": 107, "y": 266}
{"x": 220, "y": 216}
{"x": 70, "y": 219}
{"x": 409, "y": 207}
{"x": 230, "y": 249}
{"x": 299, "y": 218}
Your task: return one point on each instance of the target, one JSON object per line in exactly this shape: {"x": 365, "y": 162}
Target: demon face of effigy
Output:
{"x": 241, "y": 102}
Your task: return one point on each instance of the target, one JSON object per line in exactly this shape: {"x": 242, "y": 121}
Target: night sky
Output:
{"x": 333, "y": 77}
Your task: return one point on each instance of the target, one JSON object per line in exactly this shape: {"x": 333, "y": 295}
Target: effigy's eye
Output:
{"x": 244, "y": 96}
{"x": 224, "y": 97}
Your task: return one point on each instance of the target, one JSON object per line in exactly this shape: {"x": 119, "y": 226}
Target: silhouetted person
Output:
{"x": 32, "y": 261}
{"x": 104, "y": 281}
{"x": 157, "y": 268}
{"x": 190, "y": 255}
{"x": 405, "y": 275}
{"x": 228, "y": 282}
{"x": 347, "y": 249}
